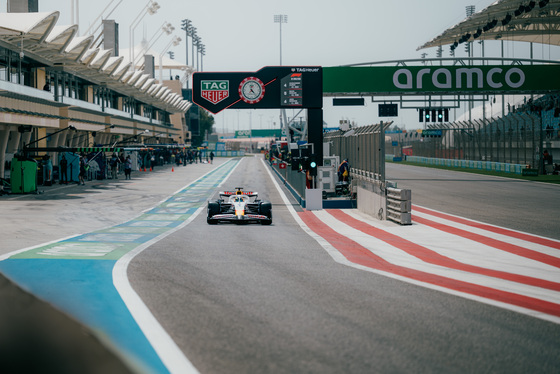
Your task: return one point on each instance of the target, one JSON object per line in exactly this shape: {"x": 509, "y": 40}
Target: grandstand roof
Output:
{"x": 37, "y": 34}
{"x": 515, "y": 20}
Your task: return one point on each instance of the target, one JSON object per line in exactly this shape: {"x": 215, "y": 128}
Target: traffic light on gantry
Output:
{"x": 433, "y": 115}
{"x": 424, "y": 115}
{"x": 312, "y": 166}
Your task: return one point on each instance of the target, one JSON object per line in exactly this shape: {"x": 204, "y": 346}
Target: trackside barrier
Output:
{"x": 466, "y": 164}
{"x": 399, "y": 205}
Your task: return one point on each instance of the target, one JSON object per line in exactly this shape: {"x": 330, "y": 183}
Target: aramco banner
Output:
{"x": 259, "y": 133}
{"x": 423, "y": 80}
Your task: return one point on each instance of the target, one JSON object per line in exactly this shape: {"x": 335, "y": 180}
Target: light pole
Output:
{"x": 193, "y": 36}
{"x": 202, "y": 54}
{"x": 186, "y": 25}
{"x": 175, "y": 42}
{"x": 150, "y": 8}
{"x": 171, "y": 57}
{"x": 198, "y": 41}
{"x": 251, "y": 130}
{"x": 75, "y": 10}
{"x": 166, "y": 28}
{"x": 88, "y": 31}
{"x": 280, "y": 18}
{"x": 237, "y": 119}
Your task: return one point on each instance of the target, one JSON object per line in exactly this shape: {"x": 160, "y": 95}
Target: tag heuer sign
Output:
{"x": 214, "y": 91}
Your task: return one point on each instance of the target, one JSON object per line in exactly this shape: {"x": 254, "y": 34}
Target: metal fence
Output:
{"x": 295, "y": 178}
{"x": 518, "y": 138}
{"x": 363, "y": 148}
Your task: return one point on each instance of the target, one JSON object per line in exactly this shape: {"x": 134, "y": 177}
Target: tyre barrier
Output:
{"x": 399, "y": 205}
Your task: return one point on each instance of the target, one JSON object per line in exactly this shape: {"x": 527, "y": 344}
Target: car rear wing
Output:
{"x": 245, "y": 193}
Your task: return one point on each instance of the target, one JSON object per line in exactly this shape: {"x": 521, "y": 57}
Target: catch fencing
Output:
{"x": 364, "y": 147}
{"x": 521, "y": 138}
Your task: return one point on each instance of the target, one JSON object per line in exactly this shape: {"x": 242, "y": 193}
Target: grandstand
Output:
{"x": 519, "y": 132}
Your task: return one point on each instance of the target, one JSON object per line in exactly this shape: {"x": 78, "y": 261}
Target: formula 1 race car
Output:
{"x": 240, "y": 207}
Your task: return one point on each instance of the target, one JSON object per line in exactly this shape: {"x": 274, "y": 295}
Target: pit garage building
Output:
{"x": 52, "y": 80}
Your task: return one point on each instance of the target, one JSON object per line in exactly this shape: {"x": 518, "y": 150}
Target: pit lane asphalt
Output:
{"x": 249, "y": 300}
{"x": 59, "y": 211}
{"x": 269, "y": 299}
{"x": 53, "y": 214}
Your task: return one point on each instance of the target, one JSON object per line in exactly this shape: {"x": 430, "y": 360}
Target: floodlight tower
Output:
{"x": 175, "y": 42}
{"x": 470, "y": 10}
{"x": 150, "y": 8}
{"x": 280, "y": 18}
{"x": 186, "y": 25}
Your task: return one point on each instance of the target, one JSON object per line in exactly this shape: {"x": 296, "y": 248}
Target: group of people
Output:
{"x": 117, "y": 164}
{"x": 63, "y": 170}
{"x": 114, "y": 163}
{"x": 190, "y": 156}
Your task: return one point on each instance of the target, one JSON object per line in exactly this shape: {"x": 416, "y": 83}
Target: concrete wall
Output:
{"x": 372, "y": 199}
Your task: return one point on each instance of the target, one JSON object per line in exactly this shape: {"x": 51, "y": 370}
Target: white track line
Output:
{"x": 494, "y": 235}
{"x": 168, "y": 351}
{"x": 470, "y": 252}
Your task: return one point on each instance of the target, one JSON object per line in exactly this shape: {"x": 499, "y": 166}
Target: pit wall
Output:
{"x": 371, "y": 199}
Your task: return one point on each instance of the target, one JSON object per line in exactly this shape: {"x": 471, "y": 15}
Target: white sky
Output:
{"x": 241, "y": 35}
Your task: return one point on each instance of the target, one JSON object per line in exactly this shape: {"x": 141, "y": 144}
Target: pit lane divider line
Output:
{"x": 432, "y": 257}
{"x": 465, "y": 250}
{"x": 537, "y": 245}
{"x": 495, "y": 229}
{"x": 396, "y": 256}
{"x": 491, "y": 242}
{"x": 95, "y": 289}
{"x": 346, "y": 252}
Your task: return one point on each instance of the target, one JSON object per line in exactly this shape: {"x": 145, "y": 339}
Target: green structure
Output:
{"x": 23, "y": 176}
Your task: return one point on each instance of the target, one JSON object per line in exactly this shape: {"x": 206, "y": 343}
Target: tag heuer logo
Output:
{"x": 214, "y": 91}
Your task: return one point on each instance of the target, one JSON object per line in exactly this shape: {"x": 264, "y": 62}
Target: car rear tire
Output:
{"x": 265, "y": 209}
{"x": 213, "y": 209}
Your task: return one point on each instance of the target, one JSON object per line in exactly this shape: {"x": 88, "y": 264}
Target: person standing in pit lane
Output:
{"x": 114, "y": 163}
{"x": 127, "y": 167}
{"x": 63, "y": 167}
{"x": 343, "y": 171}
{"x": 83, "y": 170}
